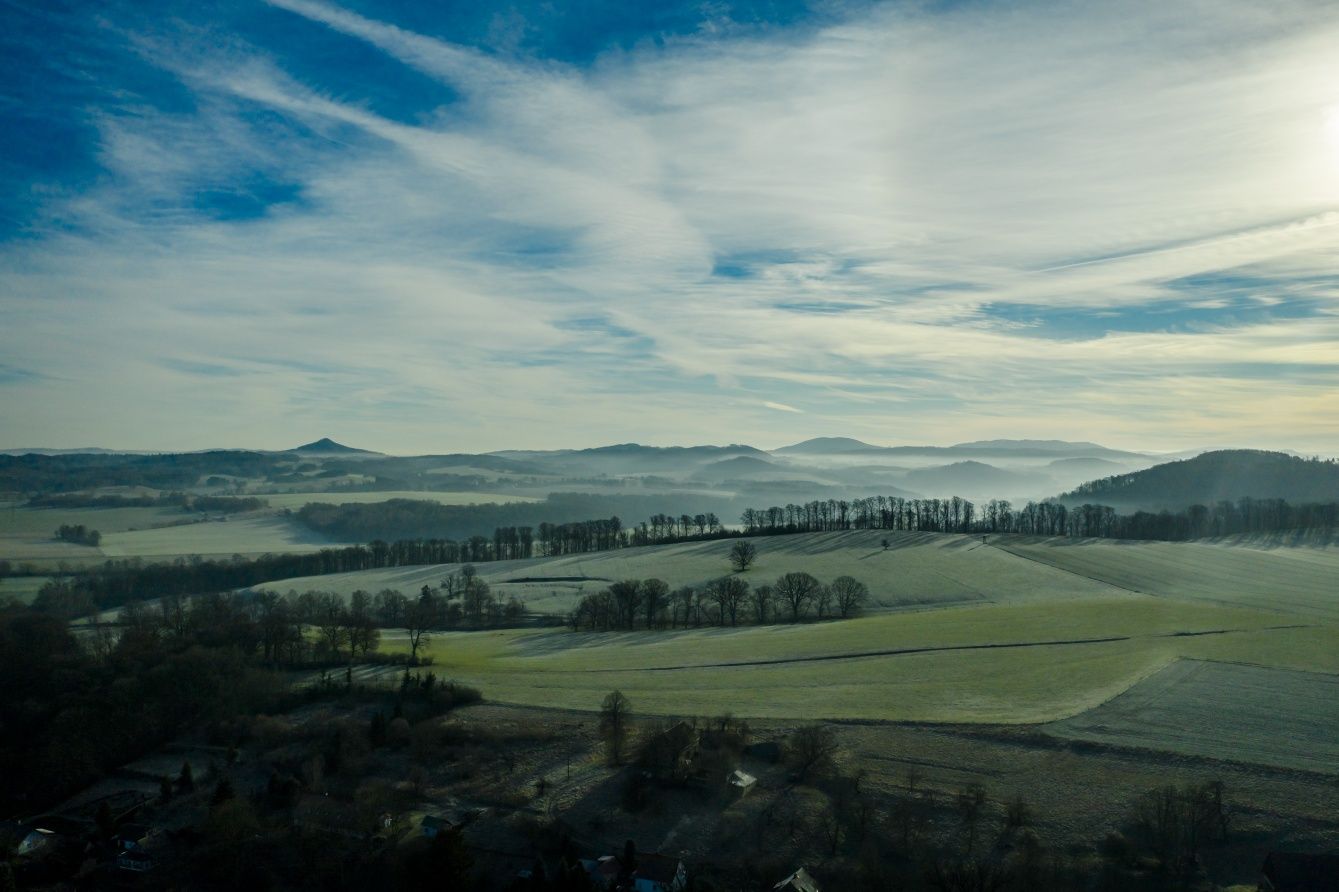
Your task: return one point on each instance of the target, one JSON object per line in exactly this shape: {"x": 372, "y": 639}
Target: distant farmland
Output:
{"x": 296, "y": 500}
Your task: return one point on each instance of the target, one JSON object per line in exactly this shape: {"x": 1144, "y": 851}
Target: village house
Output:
{"x": 659, "y": 873}
{"x": 669, "y": 756}
{"x": 799, "y": 881}
{"x": 651, "y": 872}
{"x": 741, "y": 783}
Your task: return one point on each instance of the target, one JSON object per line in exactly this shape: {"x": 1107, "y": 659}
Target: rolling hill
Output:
{"x": 1212, "y": 477}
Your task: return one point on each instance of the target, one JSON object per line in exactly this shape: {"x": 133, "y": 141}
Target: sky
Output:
{"x": 465, "y": 226}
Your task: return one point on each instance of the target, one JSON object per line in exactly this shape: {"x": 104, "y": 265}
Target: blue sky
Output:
{"x": 468, "y": 226}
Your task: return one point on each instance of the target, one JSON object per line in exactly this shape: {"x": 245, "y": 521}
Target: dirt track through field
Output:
{"x": 907, "y": 651}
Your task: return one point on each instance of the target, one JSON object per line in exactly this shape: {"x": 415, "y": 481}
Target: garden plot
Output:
{"x": 1229, "y": 711}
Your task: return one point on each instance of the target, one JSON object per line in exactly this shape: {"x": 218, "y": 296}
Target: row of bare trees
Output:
{"x": 727, "y": 601}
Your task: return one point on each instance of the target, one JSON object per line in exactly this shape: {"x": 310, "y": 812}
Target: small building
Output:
{"x": 659, "y": 873}
{"x": 137, "y": 860}
{"x": 604, "y": 871}
{"x": 741, "y": 783}
{"x": 1297, "y": 872}
{"x": 130, "y": 837}
{"x": 799, "y": 881}
{"x": 669, "y": 755}
{"x": 36, "y": 839}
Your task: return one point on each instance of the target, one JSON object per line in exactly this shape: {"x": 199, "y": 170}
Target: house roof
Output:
{"x": 657, "y": 868}
{"x": 1299, "y": 872}
{"x": 742, "y": 779}
{"x": 799, "y": 881}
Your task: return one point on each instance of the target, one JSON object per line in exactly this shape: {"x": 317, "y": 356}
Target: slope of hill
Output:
{"x": 1213, "y": 477}
{"x": 1038, "y": 447}
{"x": 970, "y": 478}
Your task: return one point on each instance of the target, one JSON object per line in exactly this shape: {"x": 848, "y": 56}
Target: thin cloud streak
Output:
{"x": 847, "y": 218}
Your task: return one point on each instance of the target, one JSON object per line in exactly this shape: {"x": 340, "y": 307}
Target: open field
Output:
{"x": 296, "y": 500}
{"x": 1015, "y": 632}
{"x": 247, "y": 534}
{"x": 19, "y": 521}
{"x": 1008, "y": 664}
{"x": 29, "y": 534}
{"x": 918, "y": 570}
{"x": 24, "y": 588}
{"x": 1223, "y": 711}
{"x": 1300, "y": 581}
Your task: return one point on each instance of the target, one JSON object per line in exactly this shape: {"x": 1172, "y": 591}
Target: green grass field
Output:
{"x": 1225, "y": 711}
{"x": 916, "y": 571}
{"x": 24, "y": 588}
{"x": 992, "y": 634}
{"x": 1299, "y": 581}
{"x": 988, "y": 663}
{"x": 247, "y": 534}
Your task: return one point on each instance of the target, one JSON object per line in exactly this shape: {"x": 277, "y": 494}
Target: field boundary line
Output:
{"x": 1044, "y": 563}
{"x": 908, "y": 651}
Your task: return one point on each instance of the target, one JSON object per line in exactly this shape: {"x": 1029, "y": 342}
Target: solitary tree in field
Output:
{"x": 742, "y": 555}
{"x": 850, "y": 595}
{"x": 419, "y": 617}
{"x": 614, "y": 713}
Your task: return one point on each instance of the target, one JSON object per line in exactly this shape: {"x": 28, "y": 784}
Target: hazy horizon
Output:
{"x": 416, "y": 229}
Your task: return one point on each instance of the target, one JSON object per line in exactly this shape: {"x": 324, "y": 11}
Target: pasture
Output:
{"x": 1222, "y": 711}
{"x": 1301, "y": 581}
{"x": 917, "y": 571}
{"x": 1016, "y": 631}
{"x": 1006, "y": 664}
{"x": 24, "y": 588}
{"x": 246, "y": 534}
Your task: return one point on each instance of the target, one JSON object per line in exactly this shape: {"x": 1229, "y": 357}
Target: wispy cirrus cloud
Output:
{"x": 1050, "y": 220}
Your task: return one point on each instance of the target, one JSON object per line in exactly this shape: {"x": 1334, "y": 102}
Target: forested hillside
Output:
{"x": 1214, "y": 477}
{"x": 413, "y": 519}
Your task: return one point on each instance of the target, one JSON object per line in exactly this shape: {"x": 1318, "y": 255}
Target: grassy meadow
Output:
{"x": 27, "y": 534}
{"x": 1223, "y": 711}
{"x": 916, "y": 571}
{"x": 1009, "y": 664}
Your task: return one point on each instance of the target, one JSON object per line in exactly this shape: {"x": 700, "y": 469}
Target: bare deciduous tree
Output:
{"x": 849, "y": 594}
{"x": 742, "y": 555}
{"x": 614, "y": 714}
{"x": 796, "y": 591}
{"x": 812, "y": 750}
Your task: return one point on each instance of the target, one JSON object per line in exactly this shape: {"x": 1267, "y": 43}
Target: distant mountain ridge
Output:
{"x": 1228, "y": 474}
{"x": 975, "y": 448}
